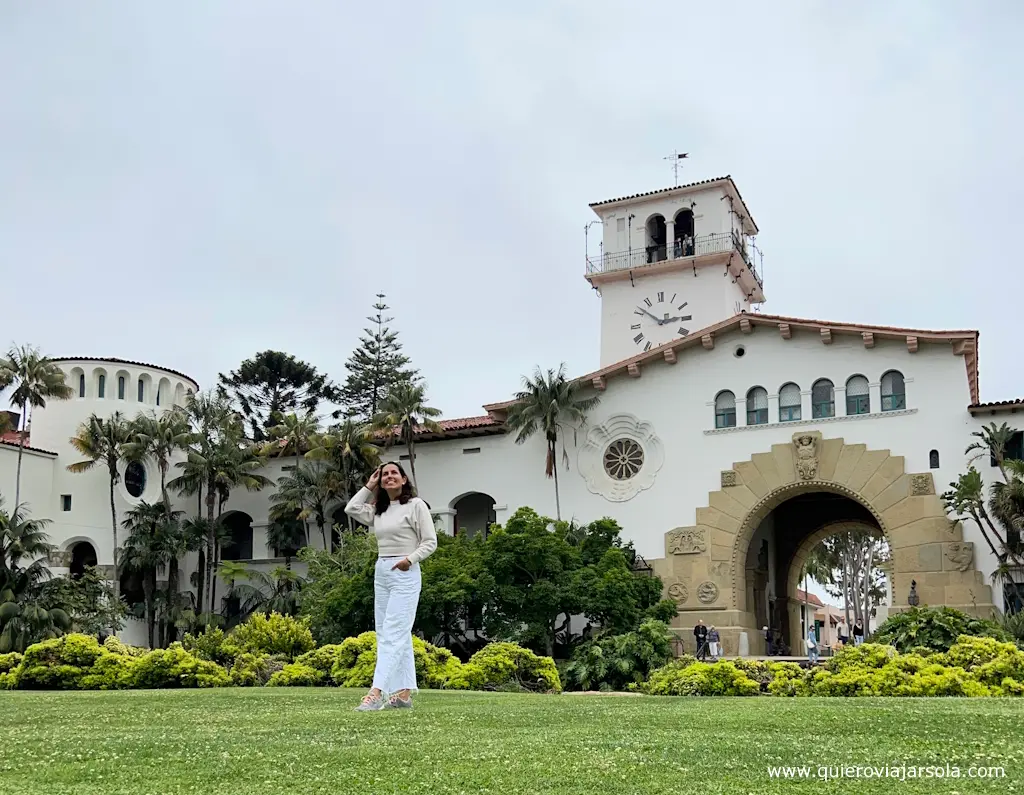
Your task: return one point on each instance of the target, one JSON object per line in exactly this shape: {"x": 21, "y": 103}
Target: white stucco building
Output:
{"x": 727, "y": 442}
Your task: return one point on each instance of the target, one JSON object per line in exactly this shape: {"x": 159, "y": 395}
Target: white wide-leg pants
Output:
{"x": 396, "y": 595}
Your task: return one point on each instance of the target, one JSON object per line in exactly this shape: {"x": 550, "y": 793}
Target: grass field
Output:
{"x": 271, "y": 741}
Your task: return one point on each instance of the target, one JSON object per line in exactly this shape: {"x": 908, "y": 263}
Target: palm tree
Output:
{"x": 159, "y": 438}
{"x": 36, "y": 379}
{"x": 992, "y": 441}
{"x": 291, "y": 436}
{"x": 23, "y": 620}
{"x": 965, "y": 497}
{"x": 280, "y": 591}
{"x": 306, "y": 492}
{"x": 349, "y": 448}
{"x": 148, "y": 549}
{"x": 547, "y": 403}
{"x": 403, "y": 411}
{"x": 104, "y": 440}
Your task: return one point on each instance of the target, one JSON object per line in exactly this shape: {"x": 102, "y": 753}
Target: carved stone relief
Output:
{"x": 687, "y": 541}
{"x": 637, "y": 441}
{"x": 921, "y": 485}
{"x": 805, "y": 454}
{"x": 960, "y": 554}
{"x": 720, "y": 569}
{"x": 728, "y": 478}
{"x": 678, "y": 592}
{"x": 707, "y": 592}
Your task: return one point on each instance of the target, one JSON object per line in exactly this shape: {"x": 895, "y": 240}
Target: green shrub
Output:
{"x": 7, "y": 681}
{"x": 8, "y": 662}
{"x": 58, "y": 663}
{"x": 213, "y": 645}
{"x": 354, "y": 661}
{"x": 701, "y": 679}
{"x": 989, "y": 662}
{"x": 175, "y": 667}
{"x": 936, "y": 628}
{"x": 114, "y": 645}
{"x": 436, "y": 667}
{"x": 867, "y": 655}
{"x": 111, "y": 672}
{"x": 297, "y": 675}
{"x": 274, "y": 634}
{"x": 618, "y": 661}
{"x": 255, "y": 670}
{"x": 322, "y": 658}
{"x": 758, "y": 670}
{"x": 506, "y": 666}
{"x": 788, "y": 679}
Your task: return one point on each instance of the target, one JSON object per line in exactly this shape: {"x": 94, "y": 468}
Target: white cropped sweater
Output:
{"x": 402, "y": 530}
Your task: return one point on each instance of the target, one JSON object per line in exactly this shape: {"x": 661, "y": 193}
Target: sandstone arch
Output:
{"x": 709, "y": 558}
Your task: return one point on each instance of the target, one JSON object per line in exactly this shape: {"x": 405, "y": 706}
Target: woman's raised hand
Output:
{"x": 374, "y": 480}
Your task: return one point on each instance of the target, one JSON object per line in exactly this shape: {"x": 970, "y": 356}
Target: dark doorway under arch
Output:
{"x": 775, "y": 556}
{"x": 83, "y": 556}
{"x": 474, "y": 514}
{"x": 239, "y": 525}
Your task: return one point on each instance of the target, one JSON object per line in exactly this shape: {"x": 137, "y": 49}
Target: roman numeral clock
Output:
{"x": 659, "y": 321}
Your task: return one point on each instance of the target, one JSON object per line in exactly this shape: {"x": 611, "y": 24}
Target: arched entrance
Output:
{"x": 474, "y": 513}
{"x": 711, "y": 569}
{"x": 83, "y": 556}
{"x": 239, "y": 525}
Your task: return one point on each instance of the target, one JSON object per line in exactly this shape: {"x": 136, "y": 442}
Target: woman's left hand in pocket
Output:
{"x": 402, "y": 565}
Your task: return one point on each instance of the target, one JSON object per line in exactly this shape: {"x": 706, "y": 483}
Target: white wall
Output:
{"x": 36, "y": 480}
{"x": 677, "y": 400}
{"x": 709, "y": 295}
{"x": 710, "y": 216}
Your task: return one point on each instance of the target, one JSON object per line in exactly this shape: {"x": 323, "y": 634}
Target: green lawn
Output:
{"x": 268, "y": 741}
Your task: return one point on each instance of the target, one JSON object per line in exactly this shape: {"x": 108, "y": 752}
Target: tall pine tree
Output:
{"x": 375, "y": 367}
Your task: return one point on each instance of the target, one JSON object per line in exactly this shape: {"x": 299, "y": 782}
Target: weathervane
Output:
{"x": 675, "y": 157}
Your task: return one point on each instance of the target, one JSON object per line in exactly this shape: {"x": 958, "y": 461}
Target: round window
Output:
{"x": 623, "y": 459}
{"x": 135, "y": 478}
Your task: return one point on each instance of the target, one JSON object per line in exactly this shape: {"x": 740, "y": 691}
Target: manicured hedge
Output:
{"x": 972, "y": 667}
{"x": 275, "y": 650}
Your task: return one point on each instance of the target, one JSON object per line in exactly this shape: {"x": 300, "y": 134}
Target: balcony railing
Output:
{"x": 694, "y": 247}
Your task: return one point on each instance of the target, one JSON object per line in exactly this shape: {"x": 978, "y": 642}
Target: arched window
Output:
{"x": 81, "y": 385}
{"x": 725, "y": 410}
{"x": 101, "y": 387}
{"x": 823, "y": 399}
{"x": 757, "y": 406}
{"x": 789, "y": 403}
{"x": 142, "y": 391}
{"x": 894, "y": 391}
{"x": 933, "y": 459}
{"x": 120, "y": 387}
{"x": 858, "y": 395}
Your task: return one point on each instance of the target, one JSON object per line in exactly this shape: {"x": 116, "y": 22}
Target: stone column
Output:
{"x": 741, "y": 412}
{"x": 445, "y": 521}
{"x": 670, "y": 242}
{"x": 260, "y": 547}
{"x": 875, "y": 391}
{"x": 840, "y": 398}
{"x": 773, "y": 409}
{"x": 806, "y": 410}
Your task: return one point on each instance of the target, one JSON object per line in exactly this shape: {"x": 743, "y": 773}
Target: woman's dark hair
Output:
{"x": 383, "y": 500}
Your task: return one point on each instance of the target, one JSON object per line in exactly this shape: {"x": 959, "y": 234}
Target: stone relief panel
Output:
{"x": 921, "y": 485}
{"x": 960, "y": 555}
{"x": 621, "y": 457}
{"x": 678, "y": 592}
{"x": 728, "y": 478}
{"x": 805, "y": 454}
{"x": 686, "y": 541}
{"x": 707, "y": 592}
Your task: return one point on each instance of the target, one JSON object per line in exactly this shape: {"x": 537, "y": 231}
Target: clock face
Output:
{"x": 658, "y": 319}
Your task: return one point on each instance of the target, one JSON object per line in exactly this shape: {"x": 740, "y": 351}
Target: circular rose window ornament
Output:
{"x": 623, "y": 459}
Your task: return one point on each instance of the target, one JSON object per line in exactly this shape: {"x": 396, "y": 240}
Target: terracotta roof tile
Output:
{"x": 14, "y": 445}
{"x": 810, "y": 598}
{"x": 996, "y": 405}
{"x": 112, "y": 360}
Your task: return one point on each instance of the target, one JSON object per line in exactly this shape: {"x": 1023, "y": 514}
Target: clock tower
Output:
{"x": 672, "y": 262}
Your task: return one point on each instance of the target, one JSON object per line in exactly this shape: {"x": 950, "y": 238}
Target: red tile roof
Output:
{"x": 809, "y": 598}
{"x": 112, "y": 360}
{"x": 999, "y": 405}
{"x": 704, "y": 182}
{"x": 14, "y": 445}
{"x": 965, "y": 339}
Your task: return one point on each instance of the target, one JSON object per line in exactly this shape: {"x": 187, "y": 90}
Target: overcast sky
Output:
{"x": 188, "y": 183}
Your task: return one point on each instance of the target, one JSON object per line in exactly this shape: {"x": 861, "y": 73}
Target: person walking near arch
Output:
{"x": 405, "y": 536}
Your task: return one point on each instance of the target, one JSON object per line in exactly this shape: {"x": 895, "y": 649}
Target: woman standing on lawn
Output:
{"x": 405, "y": 536}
